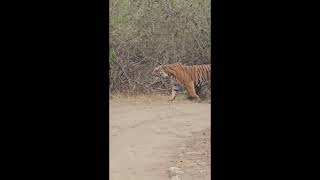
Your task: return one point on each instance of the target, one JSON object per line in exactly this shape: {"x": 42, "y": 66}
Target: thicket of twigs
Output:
{"x": 146, "y": 32}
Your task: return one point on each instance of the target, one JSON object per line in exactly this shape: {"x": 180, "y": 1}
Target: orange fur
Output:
{"x": 188, "y": 76}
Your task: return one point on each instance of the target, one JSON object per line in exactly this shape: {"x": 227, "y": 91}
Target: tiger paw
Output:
{"x": 197, "y": 100}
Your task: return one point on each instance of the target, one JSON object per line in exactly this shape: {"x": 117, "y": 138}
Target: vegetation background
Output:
{"x": 144, "y": 33}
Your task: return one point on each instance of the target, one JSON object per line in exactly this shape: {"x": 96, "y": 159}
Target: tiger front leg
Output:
{"x": 192, "y": 92}
{"x": 173, "y": 93}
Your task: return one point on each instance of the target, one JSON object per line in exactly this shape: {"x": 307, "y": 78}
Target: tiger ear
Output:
{"x": 159, "y": 63}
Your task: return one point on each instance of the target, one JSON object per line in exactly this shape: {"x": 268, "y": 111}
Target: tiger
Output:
{"x": 184, "y": 75}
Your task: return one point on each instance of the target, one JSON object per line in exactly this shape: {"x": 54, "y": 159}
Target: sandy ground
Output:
{"x": 149, "y": 134}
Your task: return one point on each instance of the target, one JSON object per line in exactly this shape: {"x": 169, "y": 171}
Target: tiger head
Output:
{"x": 159, "y": 72}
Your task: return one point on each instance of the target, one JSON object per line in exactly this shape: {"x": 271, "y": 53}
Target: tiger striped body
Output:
{"x": 188, "y": 76}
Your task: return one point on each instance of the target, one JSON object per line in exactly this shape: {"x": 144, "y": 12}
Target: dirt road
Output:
{"x": 150, "y": 134}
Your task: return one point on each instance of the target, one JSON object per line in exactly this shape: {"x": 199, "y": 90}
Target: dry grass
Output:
{"x": 149, "y": 99}
{"x": 144, "y": 33}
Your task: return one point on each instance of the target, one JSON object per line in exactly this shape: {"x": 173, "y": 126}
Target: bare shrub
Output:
{"x": 146, "y": 32}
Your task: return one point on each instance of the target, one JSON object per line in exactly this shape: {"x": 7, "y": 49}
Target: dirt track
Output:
{"x": 150, "y": 134}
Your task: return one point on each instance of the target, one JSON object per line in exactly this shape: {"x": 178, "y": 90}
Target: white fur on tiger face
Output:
{"x": 158, "y": 72}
